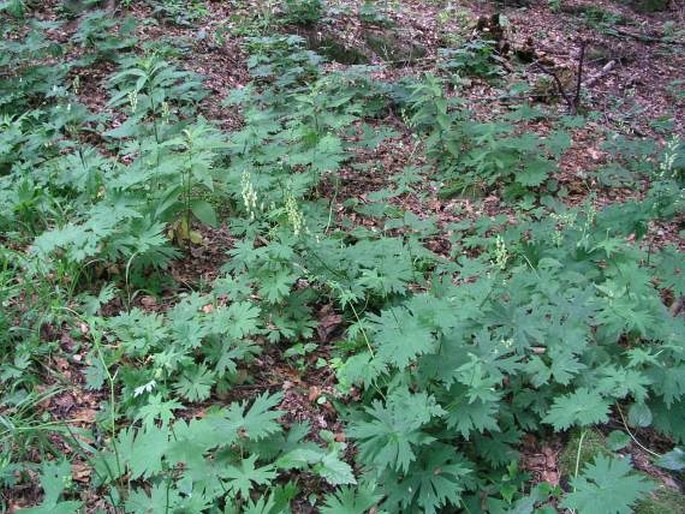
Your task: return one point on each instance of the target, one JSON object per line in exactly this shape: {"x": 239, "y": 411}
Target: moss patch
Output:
{"x": 593, "y": 444}
{"x": 662, "y": 500}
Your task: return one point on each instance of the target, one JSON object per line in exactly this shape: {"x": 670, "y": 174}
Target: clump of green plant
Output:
{"x": 302, "y": 12}
{"x": 475, "y": 58}
{"x": 180, "y": 12}
{"x": 601, "y": 19}
{"x": 474, "y": 155}
{"x": 375, "y": 12}
{"x": 409, "y": 438}
{"x": 95, "y": 34}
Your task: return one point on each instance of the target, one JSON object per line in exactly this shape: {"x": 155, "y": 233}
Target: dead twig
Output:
{"x": 647, "y": 39}
{"x": 573, "y": 102}
{"x": 579, "y": 77}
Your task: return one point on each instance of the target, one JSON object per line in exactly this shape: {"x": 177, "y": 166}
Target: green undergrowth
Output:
{"x": 586, "y": 446}
{"x": 442, "y": 362}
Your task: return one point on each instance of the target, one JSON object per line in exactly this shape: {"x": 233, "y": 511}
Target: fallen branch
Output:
{"x": 647, "y": 39}
{"x": 601, "y": 73}
{"x": 572, "y": 102}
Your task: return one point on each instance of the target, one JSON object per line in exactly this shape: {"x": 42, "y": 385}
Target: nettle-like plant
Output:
{"x": 103, "y": 37}
{"x": 31, "y": 78}
{"x": 302, "y": 12}
{"x": 168, "y": 161}
{"x": 470, "y": 154}
{"x": 191, "y": 349}
{"x": 475, "y": 58}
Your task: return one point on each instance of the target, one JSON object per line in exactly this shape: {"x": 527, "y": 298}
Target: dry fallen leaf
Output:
{"x": 80, "y": 471}
{"x": 330, "y": 321}
{"x": 148, "y": 301}
{"x": 314, "y": 393}
{"x": 86, "y": 415}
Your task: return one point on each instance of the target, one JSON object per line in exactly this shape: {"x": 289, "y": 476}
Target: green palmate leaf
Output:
{"x": 348, "y": 500}
{"x": 204, "y": 211}
{"x": 606, "y": 487}
{"x": 390, "y": 433}
{"x": 195, "y": 384}
{"x": 362, "y": 368}
{"x": 236, "y": 321}
{"x": 565, "y": 365}
{"x": 147, "y": 451}
{"x": 324, "y": 462}
{"x": 434, "y": 482}
{"x": 468, "y": 417}
{"x": 255, "y": 423}
{"x": 263, "y": 505}
{"x": 582, "y": 407}
{"x": 241, "y": 479}
{"x": 400, "y": 337}
{"x": 276, "y": 286}
{"x": 158, "y": 409}
{"x": 161, "y": 499}
{"x": 620, "y": 382}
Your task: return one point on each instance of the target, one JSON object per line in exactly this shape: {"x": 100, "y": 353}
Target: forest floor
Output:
{"x": 619, "y": 67}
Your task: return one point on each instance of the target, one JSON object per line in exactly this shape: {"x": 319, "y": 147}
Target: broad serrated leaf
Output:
{"x": 204, "y": 211}
{"x": 434, "y": 483}
{"x": 147, "y": 451}
{"x": 400, "y": 337}
{"x": 161, "y": 499}
{"x": 673, "y": 460}
{"x": 195, "y": 384}
{"x": 335, "y": 471}
{"x": 639, "y": 415}
{"x": 158, "y": 409}
{"x": 390, "y": 433}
